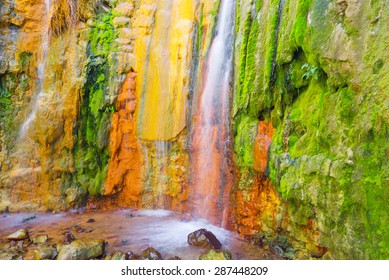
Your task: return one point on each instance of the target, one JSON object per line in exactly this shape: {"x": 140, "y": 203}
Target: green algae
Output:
{"x": 91, "y": 152}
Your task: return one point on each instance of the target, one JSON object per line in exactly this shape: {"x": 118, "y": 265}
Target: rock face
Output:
{"x": 204, "y": 239}
{"x": 82, "y": 249}
{"x": 216, "y": 255}
{"x": 19, "y": 235}
{"x": 323, "y": 93}
{"x": 112, "y": 125}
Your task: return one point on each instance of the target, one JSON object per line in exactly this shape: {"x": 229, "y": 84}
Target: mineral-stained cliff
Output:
{"x": 96, "y": 132}
{"x": 98, "y": 102}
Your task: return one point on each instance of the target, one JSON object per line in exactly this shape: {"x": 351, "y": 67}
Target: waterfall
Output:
{"x": 211, "y": 135}
{"x": 41, "y": 72}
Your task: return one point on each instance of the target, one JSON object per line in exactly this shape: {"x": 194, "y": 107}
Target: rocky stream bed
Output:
{"x": 121, "y": 235}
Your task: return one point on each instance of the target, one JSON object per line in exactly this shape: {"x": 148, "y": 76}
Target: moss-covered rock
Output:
{"x": 91, "y": 152}
{"x": 216, "y": 255}
{"x": 327, "y": 157}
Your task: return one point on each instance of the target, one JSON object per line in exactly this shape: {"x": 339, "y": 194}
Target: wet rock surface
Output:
{"x": 45, "y": 252}
{"x": 19, "y": 235}
{"x": 68, "y": 237}
{"x": 151, "y": 254}
{"x": 204, "y": 239}
{"x": 117, "y": 256}
{"x": 83, "y": 249}
{"x": 216, "y": 255}
{"x": 42, "y": 238}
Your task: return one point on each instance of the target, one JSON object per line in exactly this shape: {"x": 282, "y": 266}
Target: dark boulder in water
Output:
{"x": 204, "y": 239}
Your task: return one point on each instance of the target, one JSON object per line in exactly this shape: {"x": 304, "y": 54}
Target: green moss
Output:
{"x": 200, "y": 32}
{"x": 346, "y": 103}
{"x": 247, "y": 74}
{"x": 374, "y": 165}
{"x": 24, "y": 59}
{"x": 244, "y": 142}
{"x": 12, "y": 85}
{"x": 300, "y": 24}
{"x": 271, "y": 54}
{"x": 329, "y": 153}
{"x": 91, "y": 152}
{"x": 5, "y": 104}
{"x": 102, "y": 35}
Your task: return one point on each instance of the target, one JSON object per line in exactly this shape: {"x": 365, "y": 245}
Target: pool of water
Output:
{"x": 130, "y": 230}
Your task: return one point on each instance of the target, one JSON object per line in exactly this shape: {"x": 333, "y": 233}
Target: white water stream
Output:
{"x": 41, "y": 72}
{"x": 212, "y": 130}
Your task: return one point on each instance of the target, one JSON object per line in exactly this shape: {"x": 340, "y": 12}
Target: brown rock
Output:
{"x": 68, "y": 237}
{"x": 204, "y": 239}
{"x": 45, "y": 253}
{"x": 82, "y": 249}
{"x": 117, "y": 256}
{"x": 151, "y": 254}
{"x": 42, "y": 238}
{"x": 216, "y": 255}
{"x": 19, "y": 235}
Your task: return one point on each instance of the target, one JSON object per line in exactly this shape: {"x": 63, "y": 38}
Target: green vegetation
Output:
{"x": 91, "y": 152}
{"x": 5, "y": 104}
{"x": 328, "y": 158}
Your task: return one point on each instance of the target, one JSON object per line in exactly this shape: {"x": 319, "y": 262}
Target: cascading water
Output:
{"x": 41, "y": 72}
{"x": 211, "y": 135}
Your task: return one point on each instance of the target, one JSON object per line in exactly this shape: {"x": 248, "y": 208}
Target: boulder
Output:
{"x": 19, "y": 235}
{"x": 42, "y": 238}
{"x": 68, "y": 237}
{"x": 204, "y": 239}
{"x": 132, "y": 256}
{"x": 82, "y": 249}
{"x": 117, "y": 256}
{"x": 216, "y": 255}
{"x": 174, "y": 258}
{"x": 45, "y": 252}
{"x": 151, "y": 254}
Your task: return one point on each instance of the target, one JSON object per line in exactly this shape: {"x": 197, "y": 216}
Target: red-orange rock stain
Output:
{"x": 125, "y": 165}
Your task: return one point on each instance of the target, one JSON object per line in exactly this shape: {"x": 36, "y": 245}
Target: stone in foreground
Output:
{"x": 68, "y": 237}
{"x": 117, "y": 256}
{"x": 19, "y": 235}
{"x": 45, "y": 253}
{"x": 151, "y": 254}
{"x": 204, "y": 239}
{"x": 82, "y": 249}
{"x": 216, "y": 255}
{"x": 42, "y": 238}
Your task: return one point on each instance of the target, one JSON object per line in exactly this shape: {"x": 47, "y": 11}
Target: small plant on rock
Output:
{"x": 310, "y": 72}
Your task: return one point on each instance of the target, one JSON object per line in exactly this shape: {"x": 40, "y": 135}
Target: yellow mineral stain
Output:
{"x": 163, "y": 62}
